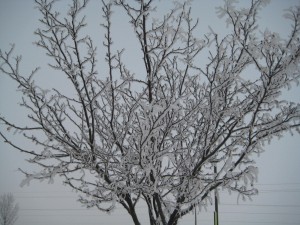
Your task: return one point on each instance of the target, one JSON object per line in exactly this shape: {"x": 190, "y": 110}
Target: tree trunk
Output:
{"x": 131, "y": 210}
{"x": 173, "y": 218}
{"x": 134, "y": 218}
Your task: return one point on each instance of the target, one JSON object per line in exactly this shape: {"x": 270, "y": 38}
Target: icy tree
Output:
{"x": 157, "y": 135}
{"x": 8, "y": 210}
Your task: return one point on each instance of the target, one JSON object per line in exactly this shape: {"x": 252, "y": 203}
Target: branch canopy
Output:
{"x": 156, "y": 136}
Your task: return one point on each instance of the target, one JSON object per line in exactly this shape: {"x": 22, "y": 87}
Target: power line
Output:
{"x": 81, "y": 212}
{"x": 250, "y": 222}
{"x": 73, "y": 210}
{"x": 263, "y": 213}
{"x": 225, "y": 204}
{"x": 261, "y": 205}
{"x": 57, "y": 196}
{"x": 223, "y": 220}
{"x": 258, "y": 222}
{"x": 74, "y": 192}
{"x": 275, "y": 184}
{"x": 64, "y": 196}
{"x": 253, "y": 222}
{"x": 221, "y": 212}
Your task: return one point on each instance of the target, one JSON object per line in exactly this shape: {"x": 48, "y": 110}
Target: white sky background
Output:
{"x": 41, "y": 203}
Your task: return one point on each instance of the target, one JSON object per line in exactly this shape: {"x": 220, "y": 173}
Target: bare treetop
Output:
{"x": 157, "y": 136}
{"x": 8, "y": 209}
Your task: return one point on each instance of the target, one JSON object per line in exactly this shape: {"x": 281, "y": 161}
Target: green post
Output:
{"x": 216, "y": 218}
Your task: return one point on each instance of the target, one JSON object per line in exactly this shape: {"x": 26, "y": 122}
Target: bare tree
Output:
{"x": 8, "y": 209}
{"x": 157, "y": 137}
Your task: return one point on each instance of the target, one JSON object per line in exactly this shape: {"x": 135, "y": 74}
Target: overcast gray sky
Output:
{"x": 41, "y": 203}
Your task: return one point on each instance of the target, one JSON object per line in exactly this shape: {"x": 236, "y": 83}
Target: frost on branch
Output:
{"x": 157, "y": 136}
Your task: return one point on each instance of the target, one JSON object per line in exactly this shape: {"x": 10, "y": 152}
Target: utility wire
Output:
{"x": 74, "y": 192}
{"x": 228, "y": 204}
{"x": 19, "y": 194}
{"x": 221, "y": 212}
